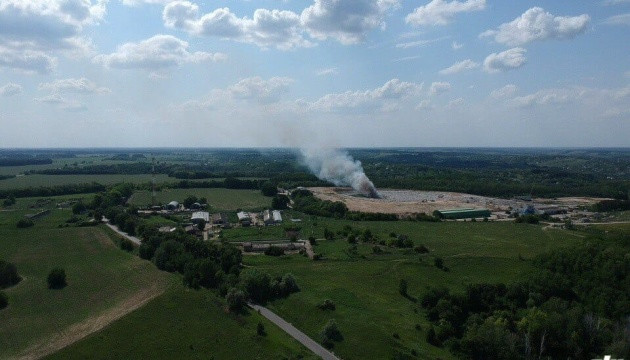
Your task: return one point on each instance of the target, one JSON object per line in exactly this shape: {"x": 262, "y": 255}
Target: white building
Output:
{"x": 277, "y": 217}
{"x": 198, "y": 216}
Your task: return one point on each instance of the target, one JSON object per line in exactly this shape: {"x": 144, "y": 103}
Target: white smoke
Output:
{"x": 339, "y": 168}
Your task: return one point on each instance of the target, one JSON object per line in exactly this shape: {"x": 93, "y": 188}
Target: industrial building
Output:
{"x": 462, "y": 213}
{"x": 200, "y": 216}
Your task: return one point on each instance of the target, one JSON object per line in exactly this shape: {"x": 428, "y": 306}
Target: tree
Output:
{"x": 438, "y": 262}
{"x": 236, "y": 300}
{"x": 268, "y": 189}
{"x": 8, "y": 275}
{"x": 189, "y": 200}
{"x": 9, "y": 201}
{"x": 279, "y": 202}
{"x": 201, "y": 225}
{"x": 57, "y": 278}
{"x": 79, "y": 208}
{"x": 4, "y": 301}
{"x": 402, "y": 287}
{"x": 257, "y": 285}
{"x": 126, "y": 244}
{"x": 170, "y": 256}
{"x": 327, "y": 305}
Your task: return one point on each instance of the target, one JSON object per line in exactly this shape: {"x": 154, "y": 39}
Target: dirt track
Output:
{"x": 403, "y": 202}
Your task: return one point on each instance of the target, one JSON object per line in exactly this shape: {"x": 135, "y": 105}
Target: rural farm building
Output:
{"x": 200, "y": 216}
{"x": 219, "y": 219}
{"x": 173, "y": 205}
{"x": 244, "y": 218}
{"x": 462, "y": 213}
{"x": 277, "y": 217}
{"x": 267, "y": 217}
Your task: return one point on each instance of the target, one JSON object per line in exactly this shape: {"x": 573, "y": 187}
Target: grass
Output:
{"x": 99, "y": 275}
{"x": 37, "y": 180}
{"x": 219, "y": 199}
{"x": 186, "y": 324}
{"x": 364, "y": 286}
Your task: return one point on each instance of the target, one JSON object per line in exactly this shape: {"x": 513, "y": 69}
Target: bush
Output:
{"x": 260, "y": 330}
{"x": 57, "y": 279}
{"x": 268, "y": 189}
{"x": 126, "y": 244}
{"x": 330, "y": 333}
{"x": 438, "y": 262}
{"x": 4, "y": 301}
{"x": 402, "y": 287}
{"x": 274, "y": 251}
{"x": 8, "y": 275}
{"x": 236, "y": 300}
{"x": 24, "y": 223}
{"x": 327, "y": 305}
{"x": 377, "y": 250}
{"x": 421, "y": 249}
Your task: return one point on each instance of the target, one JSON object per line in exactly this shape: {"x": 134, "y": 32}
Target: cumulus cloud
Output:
{"x": 139, "y": 2}
{"x": 79, "y": 86}
{"x": 439, "y": 87}
{"x": 535, "y": 25}
{"x": 157, "y": 52}
{"x": 506, "y": 60}
{"x": 384, "y": 97}
{"x": 10, "y": 89}
{"x": 459, "y": 67}
{"x": 504, "y": 92}
{"x": 418, "y": 43}
{"x": 603, "y": 99}
{"x": 61, "y": 103}
{"x": 621, "y": 19}
{"x": 615, "y": 2}
{"x": 283, "y": 29}
{"x": 346, "y": 23}
{"x": 29, "y": 61}
{"x": 456, "y": 46}
{"x": 442, "y": 12}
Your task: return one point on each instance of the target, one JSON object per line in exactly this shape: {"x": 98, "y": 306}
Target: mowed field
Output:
{"x": 375, "y": 320}
{"x": 104, "y": 283}
{"x": 218, "y": 199}
{"x": 37, "y": 180}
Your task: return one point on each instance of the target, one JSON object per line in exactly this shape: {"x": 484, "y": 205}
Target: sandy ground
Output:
{"x": 412, "y": 201}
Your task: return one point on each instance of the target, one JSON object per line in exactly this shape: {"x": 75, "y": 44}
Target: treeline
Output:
{"x": 4, "y": 177}
{"x": 106, "y": 169}
{"x": 52, "y": 190}
{"x": 21, "y": 161}
{"x": 574, "y": 305}
{"x": 227, "y": 183}
{"x": 612, "y": 205}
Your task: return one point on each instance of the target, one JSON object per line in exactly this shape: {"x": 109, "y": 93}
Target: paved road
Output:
{"x": 295, "y": 333}
{"x": 133, "y": 239}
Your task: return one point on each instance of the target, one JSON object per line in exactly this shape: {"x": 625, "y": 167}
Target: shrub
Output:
{"x": 274, "y": 251}
{"x": 260, "y": 330}
{"x": 24, "y": 223}
{"x": 421, "y": 249}
{"x": 57, "y": 279}
{"x": 4, "y": 301}
{"x": 327, "y": 305}
{"x": 438, "y": 262}
{"x": 402, "y": 287}
{"x": 236, "y": 300}
{"x": 330, "y": 333}
{"x": 126, "y": 244}
{"x": 377, "y": 250}
{"x": 8, "y": 275}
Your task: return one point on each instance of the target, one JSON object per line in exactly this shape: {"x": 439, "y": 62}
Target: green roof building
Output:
{"x": 462, "y": 213}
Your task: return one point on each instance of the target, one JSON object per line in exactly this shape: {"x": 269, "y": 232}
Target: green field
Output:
{"x": 101, "y": 280}
{"x": 37, "y": 180}
{"x": 218, "y": 199}
{"x": 364, "y": 286}
{"x": 187, "y": 324}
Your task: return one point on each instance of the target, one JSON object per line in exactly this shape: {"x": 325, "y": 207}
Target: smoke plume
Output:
{"x": 339, "y": 168}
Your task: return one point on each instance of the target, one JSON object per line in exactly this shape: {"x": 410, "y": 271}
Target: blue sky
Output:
{"x": 138, "y": 73}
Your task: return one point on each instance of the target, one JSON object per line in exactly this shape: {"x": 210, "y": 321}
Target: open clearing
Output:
{"x": 104, "y": 283}
{"x": 403, "y": 202}
{"x": 218, "y": 199}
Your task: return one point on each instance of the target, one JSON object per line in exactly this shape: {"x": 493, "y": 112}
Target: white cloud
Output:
{"x": 268, "y": 28}
{"x": 347, "y": 23}
{"x": 61, "y": 102}
{"x": 603, "y": 99}
{"x": 80, "y": 86}
{"x": 456, "y": 46}
{"x": 439, "y": 87}
{"x": 537, "y": 24}
{"x": 459, "y": 67}
{"x": 157, "y": 52}
{"x": 329, "y": 71}
{"x": 621, "y": 19}
{"x": 442, "y": 12}
{"x": 260, "y": 89}
{"x": 455, "y": 103}
{"x": 10, "y": 89}
{"x": 504, "y": 92}
{"x": 283, "y": 29}
{"x": 506, "y": 60}
{"x": 139, "y": 2}
{"x": 384, "y": 97}
{"x": 615, "y": 2}
{"x": 418, "y": 43}
{"x": 424, "y": 105}
{"x": 29, "y": 61}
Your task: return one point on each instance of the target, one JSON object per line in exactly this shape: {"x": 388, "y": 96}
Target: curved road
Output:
{"x": 295, "y": 333}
